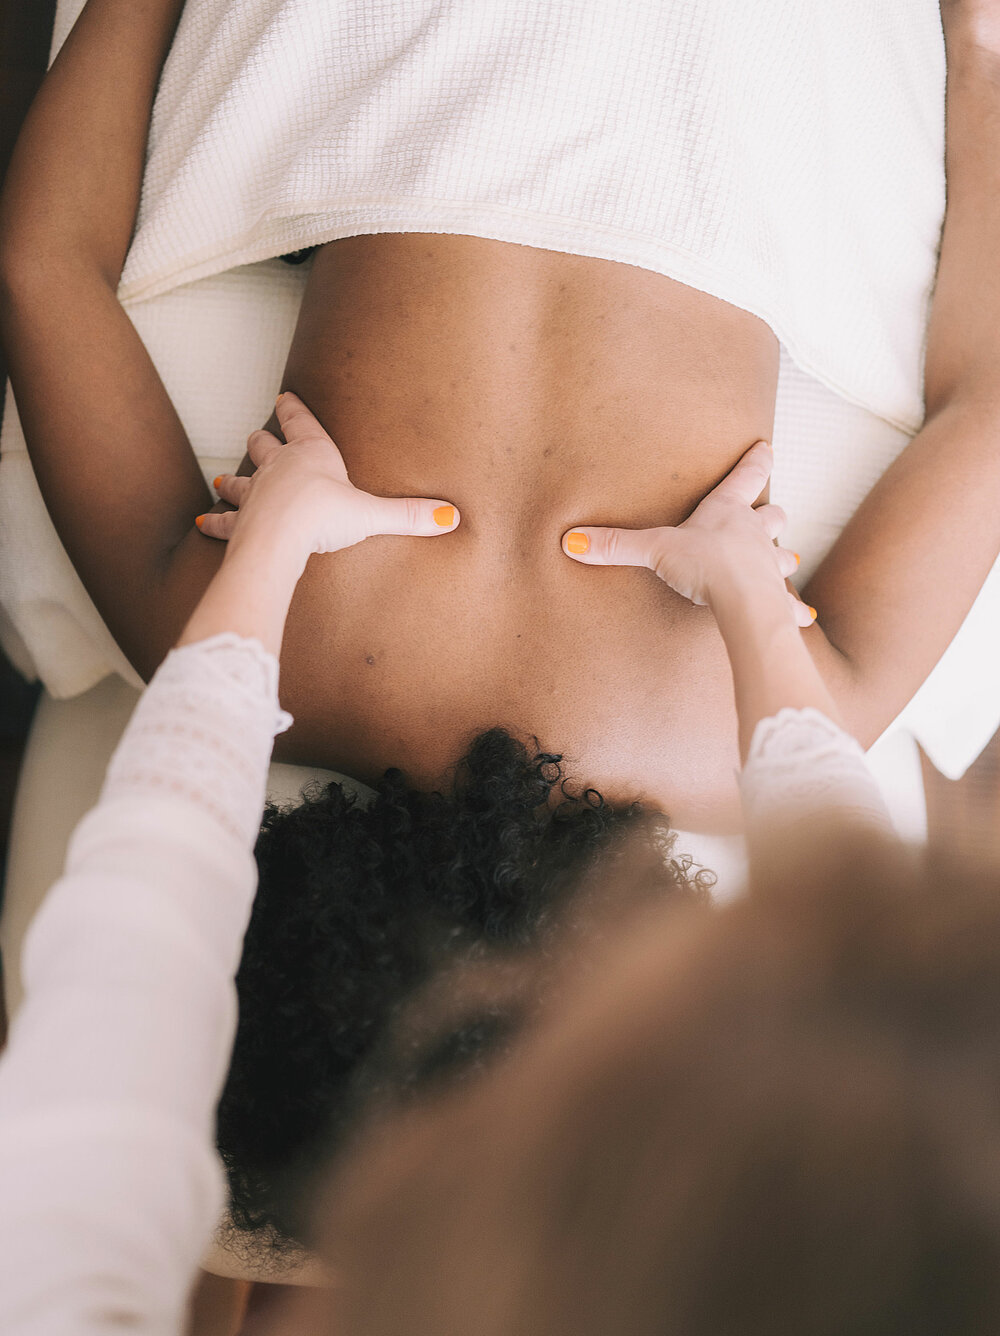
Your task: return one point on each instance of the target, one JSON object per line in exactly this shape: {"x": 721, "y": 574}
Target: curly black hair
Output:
{"x": 358, "y": 907}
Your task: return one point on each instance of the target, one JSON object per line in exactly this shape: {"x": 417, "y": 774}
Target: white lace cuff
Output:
{"x": 203, "y": 731}
{"x": 801, "y": 764}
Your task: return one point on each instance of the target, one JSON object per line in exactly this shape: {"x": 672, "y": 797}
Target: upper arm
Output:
{"x": 113, "y": 462}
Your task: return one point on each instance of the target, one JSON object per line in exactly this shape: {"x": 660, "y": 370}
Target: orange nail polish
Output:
{"x": 216, "y": 481}
{"x": 798, "y": 559}
{"x": 577, "y": 543}
{"x": 199, "y": 520}
{"x": 444, "y": 516}
{"x": 812, "y": 612}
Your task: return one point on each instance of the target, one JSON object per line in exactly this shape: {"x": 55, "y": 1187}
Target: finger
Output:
{"x": 261, "y": 445}
{"x": 218, "y": 525}
{"x": 748, "y": 477}
{"x": 804, "y": 614}
{"x": 232, "y": 488}
{"x": 773, "y": 519}
{"x": 415, "y": 516}
{"x": 612, "y": 547}
{"x": 788, "y": 562}
{"x": 299, "y": 424}
{"x": 295, "y": 418}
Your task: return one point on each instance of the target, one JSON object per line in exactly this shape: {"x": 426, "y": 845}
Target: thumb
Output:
{"x": 412, "y": 515}
{"x": 613, "y": 547}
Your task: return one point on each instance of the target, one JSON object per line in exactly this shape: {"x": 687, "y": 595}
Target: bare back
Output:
{"x": 535, "y": 390}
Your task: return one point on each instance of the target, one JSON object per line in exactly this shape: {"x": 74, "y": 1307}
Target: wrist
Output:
{"x": 280, "y": 552}
{"x": 743, "y": 592}
{"x": 250, "y": 593}
{"x": 770, "y": 661}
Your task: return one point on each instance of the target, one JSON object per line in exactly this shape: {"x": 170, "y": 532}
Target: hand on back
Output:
{"x": 301, "y": 493}
{"x": 725, "y": 540}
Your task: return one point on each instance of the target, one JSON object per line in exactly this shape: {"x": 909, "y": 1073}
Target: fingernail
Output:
{"x": 281, "y": 396}
{"x": 578, "y": 543}
{"x": 444, "y": 516}
{"x": 812, "y": 612}
{"x": 216, "y": 481}
{"x": 798, "y": 559}
{"x": 199, "y": 520}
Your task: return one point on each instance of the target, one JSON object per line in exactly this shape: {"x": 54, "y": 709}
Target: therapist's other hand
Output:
{"x": 301, "y": 494}
{"x": 726, "y": 542}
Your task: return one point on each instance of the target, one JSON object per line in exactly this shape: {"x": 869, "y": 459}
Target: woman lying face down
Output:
{"x": 359, "y": 905}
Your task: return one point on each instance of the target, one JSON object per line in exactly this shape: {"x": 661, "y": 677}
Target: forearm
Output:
{"x": 251, "y": 592}
{"x": 963, "y": 336}
{"x": 72, "y": 189}
{"x": 121, "y": 1050}
{"x": 771, "y": 664}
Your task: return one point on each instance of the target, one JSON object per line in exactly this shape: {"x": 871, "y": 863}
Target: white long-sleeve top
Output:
{"x": 110, "y": 1186}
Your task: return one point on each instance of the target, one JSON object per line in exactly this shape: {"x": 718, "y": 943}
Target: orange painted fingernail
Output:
{"x": 444, "y": 516}
{"x": 577, "y": 543}
{"x": 216, "y": 481}
{"x": 812, "y": 612}
{"x": 798, "y": 559}
{"x": 199, "y": 520}
{"x": 281, "y": 396}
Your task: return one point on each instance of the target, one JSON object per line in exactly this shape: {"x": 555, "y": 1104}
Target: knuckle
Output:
{"x": 366, "y": 516}
{"x": 414, "y": 513}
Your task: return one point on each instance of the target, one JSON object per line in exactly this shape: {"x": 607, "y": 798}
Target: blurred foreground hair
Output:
{"x": 782, "y": 1116}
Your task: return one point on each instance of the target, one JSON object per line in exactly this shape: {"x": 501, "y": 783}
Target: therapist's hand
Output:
{"x": 301, "y": 495}
{"x": 724, "y": 541}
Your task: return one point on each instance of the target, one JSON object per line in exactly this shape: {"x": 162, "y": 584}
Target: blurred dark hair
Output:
{"x": 778, "y": 1116}
{"x": 361, "y": 906}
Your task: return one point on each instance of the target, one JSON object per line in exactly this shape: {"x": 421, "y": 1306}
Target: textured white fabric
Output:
{"x": 799, "y": 764}
{"x": 110, "y": 1185}
{"x": 787, "y": 158}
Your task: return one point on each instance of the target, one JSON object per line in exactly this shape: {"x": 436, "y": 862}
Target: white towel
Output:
{"x": 785, "y": 157}
{"x": 220, "y": 344}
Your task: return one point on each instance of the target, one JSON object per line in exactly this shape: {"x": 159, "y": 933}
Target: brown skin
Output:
{"x": 407, "y": 350}
{"x": 536, "y": 390}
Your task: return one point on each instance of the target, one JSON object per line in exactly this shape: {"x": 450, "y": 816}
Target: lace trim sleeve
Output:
{"x": 801, "y": 763}
{"x": 203, "y": 731}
